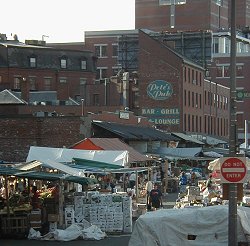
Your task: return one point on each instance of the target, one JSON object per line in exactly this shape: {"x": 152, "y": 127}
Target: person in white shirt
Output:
{"x": 148, "y": 188}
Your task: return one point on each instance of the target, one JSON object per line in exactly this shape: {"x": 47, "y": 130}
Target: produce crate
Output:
{"x": 16, "y": 226}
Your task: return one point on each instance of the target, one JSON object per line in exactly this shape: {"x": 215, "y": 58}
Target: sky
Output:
{"x": 58, "y": 21}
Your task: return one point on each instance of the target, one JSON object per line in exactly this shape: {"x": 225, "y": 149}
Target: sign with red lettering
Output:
{"x": 233, "y": 169}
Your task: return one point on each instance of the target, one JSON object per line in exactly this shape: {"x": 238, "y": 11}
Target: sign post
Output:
{"x": 233, "y": 171}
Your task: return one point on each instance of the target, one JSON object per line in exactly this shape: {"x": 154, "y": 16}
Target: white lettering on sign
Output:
{"x": 233, "y": 175}
{"x": 170, "y": 111}
{"x": 234, "y": 164}
{"x": 148, "y": 111}
{"x": 233, "y": 170}
{"x": 167, "y": 121}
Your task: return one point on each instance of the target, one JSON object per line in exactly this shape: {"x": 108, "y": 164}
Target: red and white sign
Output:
{"x": 233, "y": 169}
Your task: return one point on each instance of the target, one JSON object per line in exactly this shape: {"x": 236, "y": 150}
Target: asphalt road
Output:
{"x": 111, "y": 240}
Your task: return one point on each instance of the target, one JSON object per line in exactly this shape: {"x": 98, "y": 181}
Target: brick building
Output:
{"x": 34, "y": 67}
{"x": 160, "y": 15}
{"x": 175, "y": 95}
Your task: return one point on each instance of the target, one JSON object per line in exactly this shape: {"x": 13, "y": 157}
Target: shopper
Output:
{"x": 183, "y": 182}
{"x": 155, "y": 198}
{"x": 34, "y": 198}
{"x": 132, "y": 180}
{"x": 148, "y": 187}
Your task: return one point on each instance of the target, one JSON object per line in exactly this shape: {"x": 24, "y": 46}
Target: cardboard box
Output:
{"x": 35, "y": 217}
{"x": 53, "y": 217}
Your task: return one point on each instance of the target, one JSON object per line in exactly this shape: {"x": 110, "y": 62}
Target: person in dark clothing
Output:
{"x": 34, "y": 198}
{"x": 155, "y": 198}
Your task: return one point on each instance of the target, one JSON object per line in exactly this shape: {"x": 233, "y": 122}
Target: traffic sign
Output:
{"x": 233, "y": 169}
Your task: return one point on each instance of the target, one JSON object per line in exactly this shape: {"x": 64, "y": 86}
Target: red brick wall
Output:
{"x": 17, "y": 134}
{"x": 194, "y": 15}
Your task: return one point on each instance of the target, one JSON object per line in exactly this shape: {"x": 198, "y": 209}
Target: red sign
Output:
{"x": 233, "y": 169}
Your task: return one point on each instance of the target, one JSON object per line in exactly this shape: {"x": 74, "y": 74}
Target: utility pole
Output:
{"x": 232, "y": 211}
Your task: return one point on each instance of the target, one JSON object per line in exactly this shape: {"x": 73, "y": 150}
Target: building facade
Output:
{"x": 175, "y": 95}
{"x": 34, "y": 67}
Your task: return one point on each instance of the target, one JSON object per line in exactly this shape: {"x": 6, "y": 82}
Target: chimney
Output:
{"x": 24, "y": 89}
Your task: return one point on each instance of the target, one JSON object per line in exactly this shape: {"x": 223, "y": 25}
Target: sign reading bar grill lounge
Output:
{"x": 162, "y": 116}
{"x": 159, "y": 90}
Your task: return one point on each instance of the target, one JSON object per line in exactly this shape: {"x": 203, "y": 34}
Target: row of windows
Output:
{"x": 214, "y": 100}
{"x": 221, "y": 45}
{"x": 216, "y": 126}
{"x": 192, "y": 123}
{"x": 102, "y": 72}
{"x": 192, "y": 76}
{"x": 212, "y": 125}
{"x": 223, "y": 71}
{"x": 101, "y": 50}
{"x": 192, "y": 99}
{"x": 47, "y": 82}
{"x": 63, "y": 63}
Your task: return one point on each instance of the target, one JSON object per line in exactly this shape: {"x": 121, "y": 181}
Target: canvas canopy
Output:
{"x": 189, "y": 227}
{"x": 63, "y": 155}
{"x": 35, "y": 175}
{"x": 179, "y": 152}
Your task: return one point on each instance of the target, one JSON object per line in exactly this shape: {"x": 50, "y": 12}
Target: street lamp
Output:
{"x": 82, "y": 101}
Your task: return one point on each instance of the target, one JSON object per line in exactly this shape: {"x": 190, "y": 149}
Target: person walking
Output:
{"x": 155, "y": 198}
{"x": 132, "y": 180}
{"x": 183, "y": 182}
{"x": 148, "y": 187}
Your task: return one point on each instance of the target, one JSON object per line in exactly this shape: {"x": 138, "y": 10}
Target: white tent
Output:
{"x": 63, "y": 155}
{"x": 206, "y": 226}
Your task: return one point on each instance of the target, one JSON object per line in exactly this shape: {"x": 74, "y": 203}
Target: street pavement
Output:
{"x": 112, "y": 240}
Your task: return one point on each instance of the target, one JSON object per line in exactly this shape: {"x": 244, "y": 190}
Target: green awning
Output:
{"x": 10, "y": 171}
{"x": 94, "y": 164}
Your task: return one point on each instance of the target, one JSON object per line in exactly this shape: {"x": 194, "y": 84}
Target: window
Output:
{"x": 216, "y": 45}
{"x": 223, "y": 71}
{"x": 32, "y": 62}
{"x": 84, "y": 64}
{"x": 101, "y": 50}
{"x": 185, "y": 97}
{"x": 16, "y": 85}
{"x": 101, "y": 73}
{"x": 63, "y": 80}
{"x": 239, "y": 71}
{"x": 115, "y": 50}
{"x": 63, "y": 63}
{"x": 96, "y": 99}
{"x": 47, "y": 84}
{"x": 32, "y": 81}
{"x": 219, "y": 71}
{"x": 226, "y": 71}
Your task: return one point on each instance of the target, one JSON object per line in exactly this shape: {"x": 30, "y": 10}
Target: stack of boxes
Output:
{"x": 53, "y": 220}
{"x": 110, "y": 212}
{"x": 35, "y": 219}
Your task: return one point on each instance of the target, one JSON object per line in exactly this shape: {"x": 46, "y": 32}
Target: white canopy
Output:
{"x": 63, "y": 155}
{"x": 207, "y": 225}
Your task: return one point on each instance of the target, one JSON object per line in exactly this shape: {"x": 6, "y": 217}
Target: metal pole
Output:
{"x": 246, "y": 134}
{"x": 82, "y": 100}
{"x": 232, "y": 212}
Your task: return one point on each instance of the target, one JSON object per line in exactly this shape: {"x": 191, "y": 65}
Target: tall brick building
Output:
{"x": 190, "y": 15}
